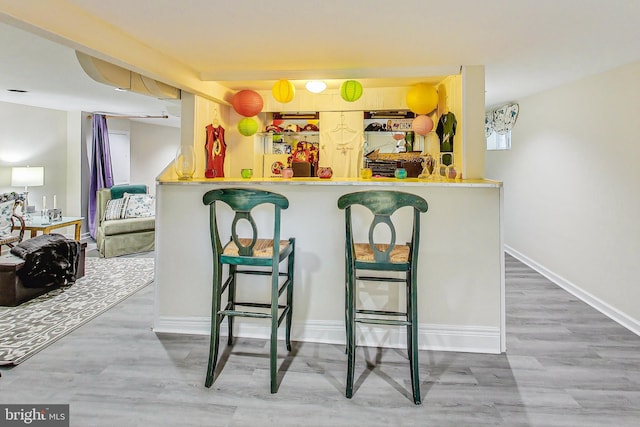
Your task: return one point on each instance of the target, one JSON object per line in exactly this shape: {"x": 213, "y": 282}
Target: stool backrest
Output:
{"x": 382, "y": 205}
{"x": 242, "y": 201}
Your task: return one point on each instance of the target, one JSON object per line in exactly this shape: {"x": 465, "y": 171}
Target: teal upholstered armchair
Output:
{"x": 126, "y": 220}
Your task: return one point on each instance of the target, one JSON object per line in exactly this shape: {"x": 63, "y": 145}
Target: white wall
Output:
{"x": 76, "y": 161}
{"x": 35, "y": 137}
{"x": 54, "y": 139}
{"x": 120, "y": 150}
{"x": 153, "y": 147}
{"x": 571, "y": 197}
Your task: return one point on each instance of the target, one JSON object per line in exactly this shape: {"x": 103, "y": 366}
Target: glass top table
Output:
{"x": 43, "y": 224}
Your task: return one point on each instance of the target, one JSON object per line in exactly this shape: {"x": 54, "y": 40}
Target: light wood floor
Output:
{"x": 566, "y": 365}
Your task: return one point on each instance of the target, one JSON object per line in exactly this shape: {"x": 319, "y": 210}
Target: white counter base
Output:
{"x": 461, "y": 272}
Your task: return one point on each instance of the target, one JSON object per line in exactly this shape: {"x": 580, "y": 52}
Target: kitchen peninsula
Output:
{"x": 461, "y": 271}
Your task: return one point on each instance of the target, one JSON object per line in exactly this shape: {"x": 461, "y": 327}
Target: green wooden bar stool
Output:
{"x": 252, "y": 252}
{"x": 364, "y": 258}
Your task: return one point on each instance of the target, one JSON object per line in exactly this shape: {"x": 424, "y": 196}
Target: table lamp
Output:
{"x": 27, "y": 177}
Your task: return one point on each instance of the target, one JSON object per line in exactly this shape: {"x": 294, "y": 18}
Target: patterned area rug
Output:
{"x": 35, "y": 324}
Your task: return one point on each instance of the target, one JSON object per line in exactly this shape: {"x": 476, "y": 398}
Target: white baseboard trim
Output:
{"x": 470, "y": 339}
{"x": 614, "y": 314}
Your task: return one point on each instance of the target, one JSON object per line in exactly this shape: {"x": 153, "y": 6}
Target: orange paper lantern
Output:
{"x": 422, "y": 125}
{"x": 247, "y": 103}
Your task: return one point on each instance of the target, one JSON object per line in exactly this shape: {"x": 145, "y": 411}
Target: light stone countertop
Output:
{"x": 384, "y": 182}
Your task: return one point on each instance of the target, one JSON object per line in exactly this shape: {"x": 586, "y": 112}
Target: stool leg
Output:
{"x": 214, "y": 340}
{"x": 347, "y": 272}
{"x": 413, "y": 339}
{"x": 273, "y": 353}
{"x": 409, "y": 316}
{"x": 231, "y": 297}
{"x": 351, "y": 330}
{"x": 290, "y": 264}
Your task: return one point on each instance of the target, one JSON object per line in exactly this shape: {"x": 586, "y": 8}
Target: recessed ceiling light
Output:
{"x": 17, "y": 90}
{"x": 315, "y": 86}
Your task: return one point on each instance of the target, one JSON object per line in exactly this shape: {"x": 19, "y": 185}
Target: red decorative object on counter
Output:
{"x": 325, "y": 172}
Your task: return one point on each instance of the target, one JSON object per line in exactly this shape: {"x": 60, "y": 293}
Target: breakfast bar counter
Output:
{"x": 460, "y": 276}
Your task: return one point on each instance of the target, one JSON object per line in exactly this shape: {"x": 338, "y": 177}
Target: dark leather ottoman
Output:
{"x": 12, "y": 291}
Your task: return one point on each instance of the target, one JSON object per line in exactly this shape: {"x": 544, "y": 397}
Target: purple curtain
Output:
{"x": 101, "y": 171}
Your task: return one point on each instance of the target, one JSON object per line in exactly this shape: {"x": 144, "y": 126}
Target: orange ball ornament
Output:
{"x": 422, "y": 125}
{"x": 247, "y": 103}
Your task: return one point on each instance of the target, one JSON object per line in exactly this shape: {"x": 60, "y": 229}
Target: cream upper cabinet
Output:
{"x": 271, "y": 105}
{"x": 389, "y": 98}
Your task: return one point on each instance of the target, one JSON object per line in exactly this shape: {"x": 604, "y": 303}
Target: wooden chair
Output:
{"x": 261, "y": 257}
{"x": 382, "y": 257}
{"x": 17, "y": 223}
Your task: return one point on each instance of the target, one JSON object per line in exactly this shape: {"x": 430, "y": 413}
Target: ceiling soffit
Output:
{"x": 121, "y": 78}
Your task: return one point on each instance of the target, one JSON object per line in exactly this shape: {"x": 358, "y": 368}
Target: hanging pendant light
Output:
{"x": 315, "y": 86}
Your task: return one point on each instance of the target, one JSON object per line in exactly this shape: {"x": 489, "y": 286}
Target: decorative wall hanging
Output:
{"x": 446, "y": 130}
{"x": 351, "y": 90}
{"x": 247, "y": 126}
{"x": 283, "y": 91}
{"x": 422, "y": 125}
{"x": 422, "y": 98}
{"x": 501, "y": 120}
{"x": 215, "y": 150}
{"x": 247, "y": 103}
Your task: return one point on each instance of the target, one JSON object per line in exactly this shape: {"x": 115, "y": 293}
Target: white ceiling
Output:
{"x": 525, "y": 46}
{"x": 51, "y": 74}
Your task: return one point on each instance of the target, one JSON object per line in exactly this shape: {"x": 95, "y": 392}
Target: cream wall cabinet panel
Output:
{"x": 271, "y": 105}
{"x": 342, "y": 142}
{"x": 389, "y": 98}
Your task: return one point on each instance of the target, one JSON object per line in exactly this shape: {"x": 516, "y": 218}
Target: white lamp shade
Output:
{"x": 316, "y": 86}
{"x": 27, "y": 176}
